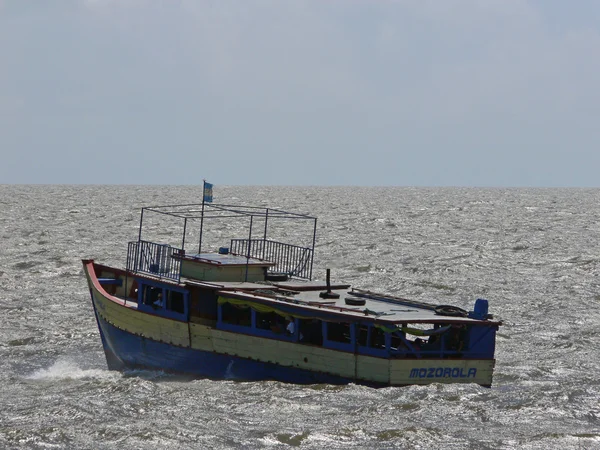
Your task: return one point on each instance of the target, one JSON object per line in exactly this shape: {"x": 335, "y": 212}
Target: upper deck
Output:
{"x": 345, "y": 301}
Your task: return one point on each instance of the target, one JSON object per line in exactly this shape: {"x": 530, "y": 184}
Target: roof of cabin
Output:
{"x": 227, "y": 259}
{"x": 380, "y": 307}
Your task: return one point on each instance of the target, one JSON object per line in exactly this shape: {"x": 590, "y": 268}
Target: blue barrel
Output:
{"x": 480, "y": 311}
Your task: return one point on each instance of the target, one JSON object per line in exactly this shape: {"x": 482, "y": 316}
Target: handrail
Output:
{"x": 290, "y": 259}
{"x": 153, "y": 258}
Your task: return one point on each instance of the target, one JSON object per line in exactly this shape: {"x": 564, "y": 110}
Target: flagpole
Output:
{"x": 202, "y": 217}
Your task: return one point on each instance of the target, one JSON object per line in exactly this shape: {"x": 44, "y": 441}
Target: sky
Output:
{"x": 481, "y": 93}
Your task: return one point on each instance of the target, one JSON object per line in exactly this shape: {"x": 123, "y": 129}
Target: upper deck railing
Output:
{"x": 292, "y": 260}
{"x": 155, "y": 259}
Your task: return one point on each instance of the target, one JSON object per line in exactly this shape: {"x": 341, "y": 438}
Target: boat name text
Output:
{"x": 443, "y": 372}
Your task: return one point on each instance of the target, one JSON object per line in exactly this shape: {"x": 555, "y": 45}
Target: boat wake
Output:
{"x": 151, "y": 375}
{"x": 65, "y": 369}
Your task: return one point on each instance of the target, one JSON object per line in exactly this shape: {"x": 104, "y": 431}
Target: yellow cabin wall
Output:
{"x": 210, "y": 272}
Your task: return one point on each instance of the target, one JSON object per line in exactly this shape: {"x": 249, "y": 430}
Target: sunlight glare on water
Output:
{"x": 532, "y": 253}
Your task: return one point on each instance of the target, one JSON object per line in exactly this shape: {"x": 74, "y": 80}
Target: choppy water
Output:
{"x": 532, "y": 253}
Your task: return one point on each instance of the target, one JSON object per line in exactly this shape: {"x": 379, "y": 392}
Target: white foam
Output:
{"x": 65, "y": 369}
{"x": 229, "y": 371}
{"x": 147, "y": 374}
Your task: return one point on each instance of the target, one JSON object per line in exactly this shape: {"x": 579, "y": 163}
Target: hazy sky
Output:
{"x": 290, "y": 92}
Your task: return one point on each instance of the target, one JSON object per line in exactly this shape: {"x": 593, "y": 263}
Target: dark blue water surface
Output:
{"x": 533, "y": 253}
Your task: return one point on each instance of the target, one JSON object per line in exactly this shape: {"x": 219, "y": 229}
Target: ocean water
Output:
{"x": 533, "y": 253}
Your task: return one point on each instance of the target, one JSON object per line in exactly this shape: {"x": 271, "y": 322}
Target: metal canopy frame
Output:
{"x": 236, "y": 210}
{"x": 206, "y": 211}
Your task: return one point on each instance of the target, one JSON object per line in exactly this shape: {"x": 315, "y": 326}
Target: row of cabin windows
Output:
{"x": 311, "y": 331}
{"x": 159, "y": 298}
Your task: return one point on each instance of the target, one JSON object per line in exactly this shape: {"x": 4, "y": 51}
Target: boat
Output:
{"x": 247, "y": 307}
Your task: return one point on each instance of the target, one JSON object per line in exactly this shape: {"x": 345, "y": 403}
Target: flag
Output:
{"x": 208, "y": 192}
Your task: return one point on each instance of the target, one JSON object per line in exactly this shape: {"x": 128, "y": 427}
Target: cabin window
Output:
{"x": 371, "y": 336}
{"x": 236, "y": 315}
{"x": 377, "y": 338}
{"x": 339, "y": 332}
{"x": 203, "y": 303}
{"x": 175, "y": 302}
{"x": 457, "y": 338}
{"x": 270, "y": 321}
{"x": 410, "y": 339}
{"x": 422, "y": 339}
{"x": 152, "y": 296}
{"x": 363, "y": 335}
{"x": 396, "y": 341}
{"x": 311, "y": 331}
